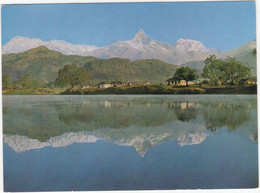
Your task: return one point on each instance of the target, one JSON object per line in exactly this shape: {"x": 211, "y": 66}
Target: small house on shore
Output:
{"x": 112, "y": 84}
{"x": 245, "y": 81}
{"x": 104, "y": 85}
{"x": 176, "y": 81}
{"x": 191, "y": 83}
{"x": 147, "y": 82}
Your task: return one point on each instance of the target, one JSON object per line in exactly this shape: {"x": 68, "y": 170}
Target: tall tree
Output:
{"x": 212, "y": 70}
{"x": 6, "y": 82}
{"x": 185, "y": 73}
{"x": 72, "y": 75}
{"x": 220, "y": 71}
{"x": 234, "y": 70}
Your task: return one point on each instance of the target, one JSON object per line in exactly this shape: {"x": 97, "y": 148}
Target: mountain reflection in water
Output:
{"x": 138, "y": 121}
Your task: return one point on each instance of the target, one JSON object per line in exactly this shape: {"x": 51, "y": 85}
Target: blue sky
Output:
{"x": 221, "y": 25}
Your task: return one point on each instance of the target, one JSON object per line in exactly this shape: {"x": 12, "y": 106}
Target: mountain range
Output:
{"x": 24, "y": 55}
{"x": 23, "y": 143}
{"x": 140, "y": 47}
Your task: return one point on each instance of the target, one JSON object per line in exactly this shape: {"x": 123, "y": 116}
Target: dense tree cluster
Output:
{"x": 228, "y": 71}
{"x": 69, "y": 75}
{"x": 25, "y": 81}
{"x": 216, "y": 72}
{"x": 185, "y": 73}
{"x": 73, "y": 75}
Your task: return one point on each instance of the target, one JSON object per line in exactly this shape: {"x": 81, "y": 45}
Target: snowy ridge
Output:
{"x": 21, "y": 44}
{"x": 140, "y": 47}
{"x": 192, "y": 139}
{"x": 190, "y": 45}
{"x": 142, "y": 143}
{"x": 22, "y": 143}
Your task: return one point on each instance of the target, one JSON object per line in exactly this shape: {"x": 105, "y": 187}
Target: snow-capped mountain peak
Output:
{"x": 21, "y": 44}
{"x": 141, "y": 37}
{"x": 190, "y": 45}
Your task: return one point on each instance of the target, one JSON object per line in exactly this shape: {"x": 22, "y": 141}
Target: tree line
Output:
{"x": 25, "y": 81}
{"x": 69, "y": 75}
{"x": 215, "y": 72}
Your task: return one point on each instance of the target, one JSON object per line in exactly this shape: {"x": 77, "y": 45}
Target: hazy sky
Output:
{"x": 221, "y": 25}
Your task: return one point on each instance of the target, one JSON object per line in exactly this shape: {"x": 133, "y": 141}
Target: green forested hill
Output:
{"x": 139, "y": 71}
{"x": 44, "y": 64}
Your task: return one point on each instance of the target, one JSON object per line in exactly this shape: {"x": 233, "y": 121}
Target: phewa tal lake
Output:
{"x": 124, "y": 142}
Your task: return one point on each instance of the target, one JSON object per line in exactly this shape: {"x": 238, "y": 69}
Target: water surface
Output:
{"x": 129, "y": 142}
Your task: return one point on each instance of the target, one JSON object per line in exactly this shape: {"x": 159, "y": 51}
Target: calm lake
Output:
{"x": 129, "y": 142}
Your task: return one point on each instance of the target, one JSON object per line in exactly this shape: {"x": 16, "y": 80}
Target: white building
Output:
{"x": 105, "y": 85}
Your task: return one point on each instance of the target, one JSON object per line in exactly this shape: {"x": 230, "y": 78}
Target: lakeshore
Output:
{"x": 138, "y": 89}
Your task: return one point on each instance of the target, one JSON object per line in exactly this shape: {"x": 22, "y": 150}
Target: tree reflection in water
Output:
{"x": 144, "y": 121}
{"x": 185, "y": 111}
{"x": 217, "y": 115}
